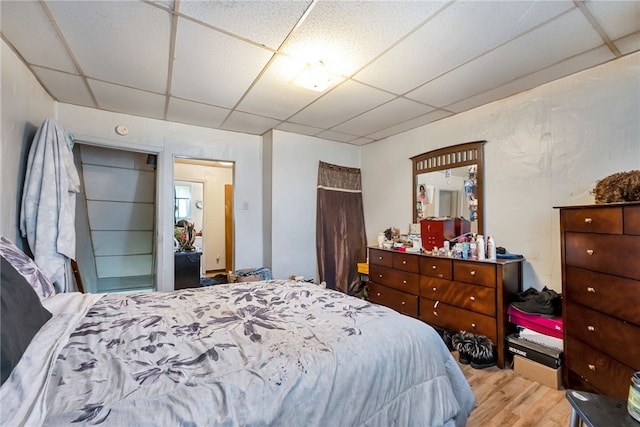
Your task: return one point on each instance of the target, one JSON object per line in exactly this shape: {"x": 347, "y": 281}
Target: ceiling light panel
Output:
{"x": 129, "y": 101}
{"x": 264, "y": 22}
{"x": 22, "y": 22}
{"x": 213, "y": 68}
{"x": 195, "y": 113}
{"x": 123, "y": 42}
{"x": 347, "y": 35}
{"x": 68, "y": 88}
{"x": 428, "y": 52}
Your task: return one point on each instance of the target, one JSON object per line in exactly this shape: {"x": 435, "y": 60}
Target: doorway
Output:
{"x": 211, "y": 213}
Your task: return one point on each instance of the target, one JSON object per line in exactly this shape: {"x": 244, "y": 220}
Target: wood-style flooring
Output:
{"x": 504, "y": 398}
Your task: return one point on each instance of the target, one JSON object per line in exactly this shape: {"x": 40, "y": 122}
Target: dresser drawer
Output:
{"x": 406, "y": 262}
{"x": 631, "y": 219}
{"x": 399, "y": 301}
{"x": 618, "y": 339}
{"x": 604, "y": 373}
{"x": 475, "y": 272}
{"x": 480, "y": 299}
{"x": 614, "y": 295}
{"x": 401, "y": 280}
{"x": 379, "y": 257}
{"x": 457, "y": 319}
{"x": 592, "y": 220}
{"x": 436, "y": 267}
{"x": 603, "y": 253}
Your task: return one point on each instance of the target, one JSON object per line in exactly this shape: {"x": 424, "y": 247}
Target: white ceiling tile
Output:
{"x": 123, "y": 42}
{"x": 275, "y": 95}
{"x": 344, "y": 102}
{"x": 411, "y": 124}
{"x": 195, "y": 113}
{"x": 554, "y": 72}
{"x": 112, "y": 97}
{"x": 336, "y": 136}
{"x": 362, "y": 141}
{"x": 264, "y": 22}
{"x": 248, "y": 123}
{"x": 64, "y": 87}
{"x": 383, "y": 116}
{"x": 213, "y": 68}
{"x": 570, "y": 35}
{"x": 24, "y": 22}
{"x": 629, "y": 44}
{"x": 298, "y": 128}
{"x": 617, "y": 18}
{"x": 347, "y": 35}
{"x": 443, "y": 43}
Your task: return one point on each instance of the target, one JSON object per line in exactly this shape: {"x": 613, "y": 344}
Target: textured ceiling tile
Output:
{"x": 381, "y": 117}
{"x": 122, "y": 42}
{"x": 361, "y": 141}
{"x": 336, "y": 136}
{"x": 26, "y": 26}
{"x": 248, "y": 123}
{"x": 347, "y": 35}
{"x": 67, "y": 88}
{"x": 344, "y": 102}
{"x": 617, "y": 18}
{"x": 111, "y": 97}
{"x": 264, "y": 22}
{"x": 411, "y": 124}
{"x": 194, "y": 113}
{"x": 628, "y": 44}
{"x": 298, "y": 128}
{"x": 213, "y": 68}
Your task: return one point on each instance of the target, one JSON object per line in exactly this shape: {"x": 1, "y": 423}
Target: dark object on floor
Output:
{"x": 218, "y": 279}
{"x": 446, "y": 337}
{"x": 464, "y": 343}
{"x": 618, "y": 187}
{"x": 483, "y": 354}
{"x": 546, "y": 303}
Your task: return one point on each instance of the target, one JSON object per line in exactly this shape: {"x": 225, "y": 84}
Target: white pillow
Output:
{"x": 27, "y": 268}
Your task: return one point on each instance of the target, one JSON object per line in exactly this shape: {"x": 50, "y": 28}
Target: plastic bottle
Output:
{"x": 491, "y": 249}
{"x": 480, "y": 247}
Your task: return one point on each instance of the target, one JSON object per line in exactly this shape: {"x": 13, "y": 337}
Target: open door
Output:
{"x": 228, "y": 227}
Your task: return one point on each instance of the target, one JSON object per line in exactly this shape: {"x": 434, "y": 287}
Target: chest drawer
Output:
{"x": 475, "y": 272}
{"x": 614, "y": 337}
{"x": 617, "y": 296}
{"x": 604, "y": 253}
{"x": 379, "y": 257}
{"x": 631, "y": 220}
{"x": 397, "y": 300}
{"x": 436, "y": 267}
{"x": 400, "y": 280}
{"x": 454, "y": 318}
{"x": 406, "y": 262}
{"x": 604, "y": 373}
{"x": 480, "y": 299}
{"x": 592, "y": 220}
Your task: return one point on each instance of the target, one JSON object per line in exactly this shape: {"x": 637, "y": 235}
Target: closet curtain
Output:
{"x": 341, "y": 240}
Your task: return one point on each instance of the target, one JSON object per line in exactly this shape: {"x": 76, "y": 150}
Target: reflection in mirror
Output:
{"x": 448, "y": 183}
{"x": 188, "y": 202}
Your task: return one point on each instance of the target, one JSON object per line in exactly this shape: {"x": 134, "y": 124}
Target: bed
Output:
{"x": 274, "y": 352}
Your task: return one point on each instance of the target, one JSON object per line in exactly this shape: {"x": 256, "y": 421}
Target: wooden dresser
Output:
{"x": 600, "y": 247}
{"x": 448, "y": 293}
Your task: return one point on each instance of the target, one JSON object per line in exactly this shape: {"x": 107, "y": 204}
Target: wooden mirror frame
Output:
{"x": 469, "y": 153}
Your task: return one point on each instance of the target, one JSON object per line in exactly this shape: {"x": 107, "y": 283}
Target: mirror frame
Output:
{"x": 469, "y": 153}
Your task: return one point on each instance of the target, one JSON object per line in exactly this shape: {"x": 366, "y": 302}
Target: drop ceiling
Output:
{"x": 229, "y": 65}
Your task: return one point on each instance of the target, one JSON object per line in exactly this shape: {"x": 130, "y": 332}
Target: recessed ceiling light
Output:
{"x": 315, "y": 77}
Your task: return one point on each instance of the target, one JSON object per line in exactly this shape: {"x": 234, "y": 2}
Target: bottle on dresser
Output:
{"x": 480, "y": 247}
{"x": 491, "y": 248}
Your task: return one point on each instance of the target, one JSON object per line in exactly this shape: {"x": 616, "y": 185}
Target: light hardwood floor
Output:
{"x": 504, "y": 398}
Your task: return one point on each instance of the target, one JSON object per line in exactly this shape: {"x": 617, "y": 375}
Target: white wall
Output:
{"x": 24, "y": 106}
{"x": 171, "y": 140}
{"x": 294, "y": 176}
{"x": 545, "y": 147}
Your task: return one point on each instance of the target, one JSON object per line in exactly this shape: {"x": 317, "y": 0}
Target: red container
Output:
{"x": 551, "y": 326}
{"x": 434, "y": 232}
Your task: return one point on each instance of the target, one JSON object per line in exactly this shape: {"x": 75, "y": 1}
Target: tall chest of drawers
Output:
{"x": 600, "y": 248}
{"x": 448, "y": 293}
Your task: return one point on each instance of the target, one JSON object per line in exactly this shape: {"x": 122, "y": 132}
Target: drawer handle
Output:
{"x": 434, "y": 289}
{"x": 381, "y": 276}
{"x": 404, "y": 262}
{"x": 440, "y": 275}
{"x": 591, "y": 290}
{"x": 591, "y": 328}
{"x": 378, "y": 294}
{"x": 435, "y": 313}
{"x": 589, "y": 251}
{"x": 473, "y": 272}
{"x": 472, "y": 298}
{"x": 473, "y": 325}
{"x": 434, "y": 267}
{"x": 588, "y": 220}
{"x": 402, "y": 302}
{"x": 592, "y": 367}
{"x": 379, "y": 257}
{"x": 404, "y": 282}
{"x": 435, "y": 305}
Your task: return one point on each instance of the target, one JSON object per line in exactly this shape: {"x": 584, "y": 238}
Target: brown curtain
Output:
{"x": 341, "y": 240}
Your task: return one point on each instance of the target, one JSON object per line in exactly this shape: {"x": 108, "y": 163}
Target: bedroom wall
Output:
{"x": 545, "y": 147}
{"x": 25, "y": 105}
{"x": 294, "y": 178}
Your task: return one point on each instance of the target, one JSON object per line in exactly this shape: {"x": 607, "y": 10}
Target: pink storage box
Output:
{"x": 545, "y": 325}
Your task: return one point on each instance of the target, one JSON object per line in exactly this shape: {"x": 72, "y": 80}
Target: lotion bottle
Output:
{"x": 491, "y": 249}
{"x": 480, "y": 246}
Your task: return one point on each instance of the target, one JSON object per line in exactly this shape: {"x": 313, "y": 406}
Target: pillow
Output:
{"x": 27, "y": 268}
{"x": 21, "y": 317}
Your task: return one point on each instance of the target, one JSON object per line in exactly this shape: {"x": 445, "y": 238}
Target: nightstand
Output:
{"x": 186, "y": 269}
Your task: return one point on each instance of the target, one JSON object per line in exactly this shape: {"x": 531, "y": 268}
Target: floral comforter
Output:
{"x": 279, "y": 353}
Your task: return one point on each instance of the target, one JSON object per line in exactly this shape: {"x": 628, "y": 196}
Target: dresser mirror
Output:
{"x": 448, "y": 182}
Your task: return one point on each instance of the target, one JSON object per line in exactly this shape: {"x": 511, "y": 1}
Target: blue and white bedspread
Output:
{"x": 280, "y": 353}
